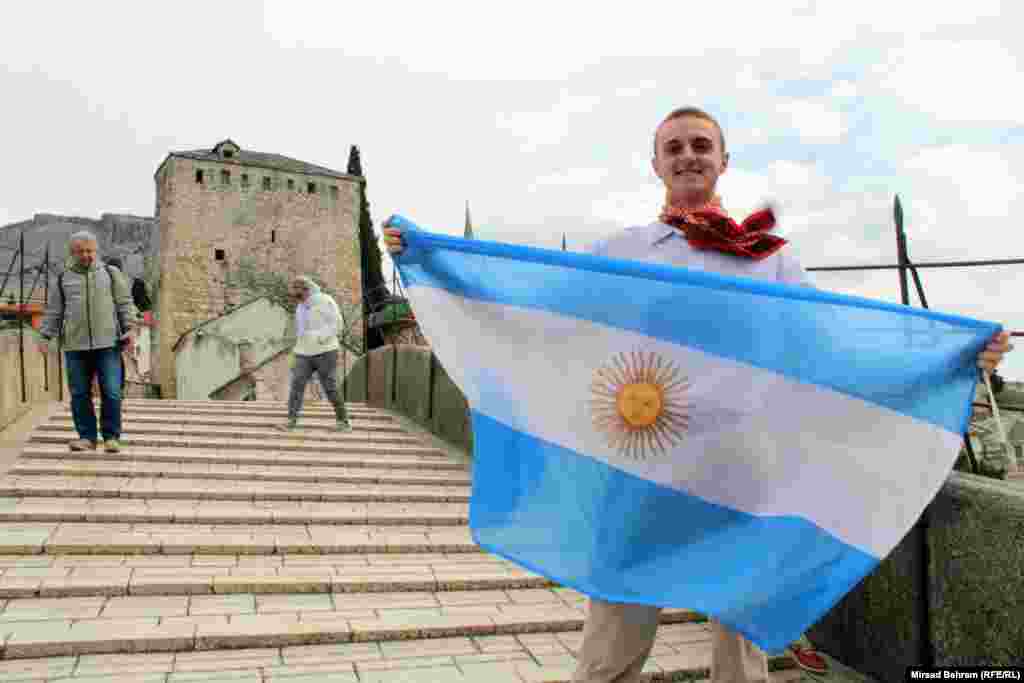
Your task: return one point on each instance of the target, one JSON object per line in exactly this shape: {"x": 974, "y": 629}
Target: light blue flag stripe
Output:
{"x": 914, "y": 361}
{"x": 622, "y": 538}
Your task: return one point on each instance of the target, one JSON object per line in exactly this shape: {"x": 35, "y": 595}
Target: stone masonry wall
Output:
{"x": 287, "y": 231}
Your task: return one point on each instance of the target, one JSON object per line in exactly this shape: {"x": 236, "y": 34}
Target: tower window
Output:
{"x": 228, "y": 154}
{"x": 273, "y": 236}
{"x": 225, "y": 177}
{"x": 291, "y": 184}
{"x": 311, "y": 188}
{"x": 334, "y": 191}
{"x": 218, "y": 255}
{"x": 245, "y": 180}
{"x": 266, "y": 183}
{"x": 199, "y": 176}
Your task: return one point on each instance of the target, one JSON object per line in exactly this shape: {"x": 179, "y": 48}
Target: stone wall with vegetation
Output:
{"x": 953, "y": 587}
{"x": 420, "y": 389}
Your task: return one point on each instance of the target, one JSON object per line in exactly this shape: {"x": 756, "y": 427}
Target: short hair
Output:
{"x": 83, "y": 236}
{"x": 691, "y": 112}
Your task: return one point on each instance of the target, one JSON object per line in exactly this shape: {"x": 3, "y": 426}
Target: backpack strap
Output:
{"x": 63, "y": 307}
{"x": 117, "y": 320}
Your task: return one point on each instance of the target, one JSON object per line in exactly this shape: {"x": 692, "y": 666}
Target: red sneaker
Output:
{"x": 807, "y": 658}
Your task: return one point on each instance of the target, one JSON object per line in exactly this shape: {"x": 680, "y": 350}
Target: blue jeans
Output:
{"x": 82, "y": 367}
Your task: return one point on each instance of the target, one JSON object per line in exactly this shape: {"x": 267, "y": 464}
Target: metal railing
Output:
{"x": 21, "y": 309}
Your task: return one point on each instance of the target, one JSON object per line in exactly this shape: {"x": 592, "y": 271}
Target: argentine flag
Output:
{"x": 663, "y": 436}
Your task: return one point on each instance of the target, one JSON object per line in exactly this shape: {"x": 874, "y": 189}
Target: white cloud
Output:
{"x": 982, "y": 180}
{"x": 785, "y": 184}
{"x": 813, "y": 121}
{"x": 641, "y": 88}
{"x": 956, "y": 80}
{"x": 843, "y": 89}
{"x": 536, "y": 129}
{"x": 637, "y": 205}
{"x": 573, "y": 177}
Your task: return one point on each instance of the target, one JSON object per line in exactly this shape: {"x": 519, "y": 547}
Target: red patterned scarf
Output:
{"x": 710, "y": 227}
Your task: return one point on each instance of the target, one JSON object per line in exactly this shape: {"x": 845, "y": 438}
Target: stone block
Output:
{"x": 381, "y": 370}
{"x": 354, "y": 380}
{"x": 450, "y": 420}
{"x": 413, "y": 390}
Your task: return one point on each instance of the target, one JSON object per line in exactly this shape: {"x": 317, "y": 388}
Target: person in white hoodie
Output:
{"x": 318, "y": 323}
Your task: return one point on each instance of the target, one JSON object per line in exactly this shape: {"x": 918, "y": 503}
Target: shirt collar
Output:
{"x": 659, "y": 232}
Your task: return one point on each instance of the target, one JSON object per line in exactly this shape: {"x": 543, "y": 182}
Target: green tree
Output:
{"x": 374, "y": 289}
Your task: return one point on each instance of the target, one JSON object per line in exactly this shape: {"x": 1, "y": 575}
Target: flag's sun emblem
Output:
{"x": 637, "y": 401}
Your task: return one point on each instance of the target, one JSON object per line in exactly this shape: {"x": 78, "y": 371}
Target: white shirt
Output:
{"x": 661, "y": 243}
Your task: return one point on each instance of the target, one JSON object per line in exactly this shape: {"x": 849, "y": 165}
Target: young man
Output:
{"x": 317, "y": 325}
{"x": 91, "y": 310}
{"x": 693, "y": 231}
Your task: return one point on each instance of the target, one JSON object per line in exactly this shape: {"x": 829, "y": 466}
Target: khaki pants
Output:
{"x": 618, "y": 637}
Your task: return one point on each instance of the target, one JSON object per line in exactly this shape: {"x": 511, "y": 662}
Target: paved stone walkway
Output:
{"x": 213, "y": 548}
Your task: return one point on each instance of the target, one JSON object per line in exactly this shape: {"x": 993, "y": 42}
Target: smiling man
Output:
{"x": 693, "y": 231}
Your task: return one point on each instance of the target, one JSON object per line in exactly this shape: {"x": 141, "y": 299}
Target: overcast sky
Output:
{"x": 541, "y": 116}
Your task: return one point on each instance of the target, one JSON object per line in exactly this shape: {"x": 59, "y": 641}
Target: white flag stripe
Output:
{"x": 757, "y": 442}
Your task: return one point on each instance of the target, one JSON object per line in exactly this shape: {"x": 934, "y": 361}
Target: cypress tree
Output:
{"x": 374, "y": 291}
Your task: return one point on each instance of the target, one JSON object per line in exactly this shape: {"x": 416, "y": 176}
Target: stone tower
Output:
{"x": 216, "y": 206}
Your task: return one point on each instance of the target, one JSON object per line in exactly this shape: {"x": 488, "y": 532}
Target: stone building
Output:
{"x": 216, "y": 207}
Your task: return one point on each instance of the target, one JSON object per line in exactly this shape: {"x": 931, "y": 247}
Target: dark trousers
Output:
{"x": 325, "y": 365}
{"x": 105, "y": 365}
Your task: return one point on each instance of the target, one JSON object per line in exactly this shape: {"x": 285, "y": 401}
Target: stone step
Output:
{"x": 245, "y": 408}
{"x": 225, "y": 489}
{"x": 682, "y": 651}
{"x": 33, "y": 538}
{"x": 134, "y": 421}
{"x": 347, "y": 444}
{"x": 56, "y": 627}
{"x": 117, "y": 575}
{"x": 184, "y": 404}
{"x": 373, "y": 459}
{"x": 273, "y": 415}
{"x": 101, "y": 467}
{"x": 206, "y": 511}
{"x": 137, "y": 431}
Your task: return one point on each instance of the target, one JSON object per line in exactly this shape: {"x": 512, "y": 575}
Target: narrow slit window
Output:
{"x": 291, "y": 184}
{"x": 225, "y": 177}
{"x": 266, "y": 183}
{"x": 228, "y": 154}
{"x": 199, "y": 176}
{"x": 245, "y": 180}
{"x": 218, "y": 255}
{"x": 334, "y": 191}
{"x": 273, "y": 236}
{"x": 311, "y": 188}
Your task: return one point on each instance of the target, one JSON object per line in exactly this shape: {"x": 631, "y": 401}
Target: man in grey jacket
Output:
{"x": 92, "y": 314}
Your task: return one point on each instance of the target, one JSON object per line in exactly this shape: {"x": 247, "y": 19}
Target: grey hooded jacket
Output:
{"x": 93, "y": 311}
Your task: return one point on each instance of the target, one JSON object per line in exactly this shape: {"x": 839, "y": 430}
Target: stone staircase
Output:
{"x": 216, "y": 548}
